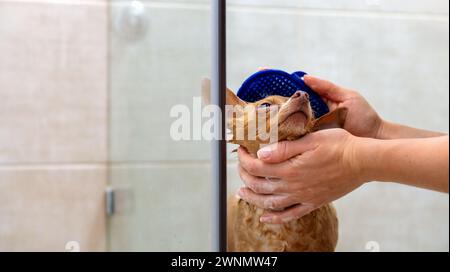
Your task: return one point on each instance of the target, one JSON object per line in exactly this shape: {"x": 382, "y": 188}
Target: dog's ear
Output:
{"x": 232, "y": 99}
{"x": 333, "y": 119}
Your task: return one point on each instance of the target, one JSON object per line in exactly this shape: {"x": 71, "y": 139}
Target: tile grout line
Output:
{"x": 105, "y": 165}
{"x": 57, "y": 166}
{"x": 108, "y": 175}
{"x": 344, "y": 13}
{"x": 268, "y": 9}
{"x": 296, "y": 10}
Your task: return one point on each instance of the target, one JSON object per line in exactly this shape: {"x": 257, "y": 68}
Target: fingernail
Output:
{"x": 264, "y": 153}
{"x": 265, "y": 219}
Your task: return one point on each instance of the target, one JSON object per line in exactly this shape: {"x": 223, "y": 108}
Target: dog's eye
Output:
{"x": 264, "y": 105}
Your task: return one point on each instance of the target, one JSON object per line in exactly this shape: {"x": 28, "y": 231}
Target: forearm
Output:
{"x": 389, "y": 130}
{"x": 417, "y": 162}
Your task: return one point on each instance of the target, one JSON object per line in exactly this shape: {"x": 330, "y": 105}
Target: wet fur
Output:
{"x": 314, "y": 232}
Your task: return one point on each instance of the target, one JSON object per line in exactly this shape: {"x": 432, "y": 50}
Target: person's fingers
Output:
{"x": 259, "y": 168}
{"x": 262, "y": 185}
{"x": 282, "y": 151}
{"x": 292, "y": 213}
{"x": 271, "y": 202}
{"x": 326, "y": 89}
{"x": 332, "y": 105}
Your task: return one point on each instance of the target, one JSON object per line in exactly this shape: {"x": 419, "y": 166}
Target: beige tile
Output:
{"x": 397, "y": 217}
{"x": 401, "y": 66}
{"x": 391, "y": 62}
{"x": 41, "y": 209}
{"x": 53, "y": 82}
{"x": 161, "y": 208}
{"x": 152, "y": 74}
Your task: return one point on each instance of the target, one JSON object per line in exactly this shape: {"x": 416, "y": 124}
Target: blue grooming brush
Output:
{"x": 276, "y": 82}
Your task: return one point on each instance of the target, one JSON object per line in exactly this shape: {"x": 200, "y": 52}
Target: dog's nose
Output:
{"x": 300, "y": 94}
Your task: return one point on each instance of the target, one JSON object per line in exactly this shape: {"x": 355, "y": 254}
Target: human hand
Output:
{"x": 304, "y": 174}
{"x": 361, "y": 120}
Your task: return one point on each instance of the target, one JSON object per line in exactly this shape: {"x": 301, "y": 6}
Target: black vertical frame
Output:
{"x": 218, "y": 97}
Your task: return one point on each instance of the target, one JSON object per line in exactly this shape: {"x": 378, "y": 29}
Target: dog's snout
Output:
{"x": 301, "y": 95}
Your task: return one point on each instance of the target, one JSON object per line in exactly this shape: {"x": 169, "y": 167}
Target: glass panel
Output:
{"x": 159, "y": 52}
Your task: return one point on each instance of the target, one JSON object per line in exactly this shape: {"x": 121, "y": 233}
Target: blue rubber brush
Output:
{"x": 276, "y": 82}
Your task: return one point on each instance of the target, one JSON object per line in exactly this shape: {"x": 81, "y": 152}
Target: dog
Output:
{"x": 294, "y": 118}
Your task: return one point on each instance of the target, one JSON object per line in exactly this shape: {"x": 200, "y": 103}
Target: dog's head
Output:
{"x": 253, "y": 124}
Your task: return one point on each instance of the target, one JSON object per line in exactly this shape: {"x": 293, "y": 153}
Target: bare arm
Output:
{"x": 326, "y": 165}
{"x": 417, "y": 162}
{"x": 389, "y": 130}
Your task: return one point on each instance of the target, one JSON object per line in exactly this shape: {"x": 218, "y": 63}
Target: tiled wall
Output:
{"x": 394, "y": 52}
{"x": 53, "y": 124}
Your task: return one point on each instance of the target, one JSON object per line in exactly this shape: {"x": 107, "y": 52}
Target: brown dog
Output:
{"x": 316, "y": 231}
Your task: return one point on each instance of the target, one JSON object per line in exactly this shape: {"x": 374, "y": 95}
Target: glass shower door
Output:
{"x": 159, "y": 52}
